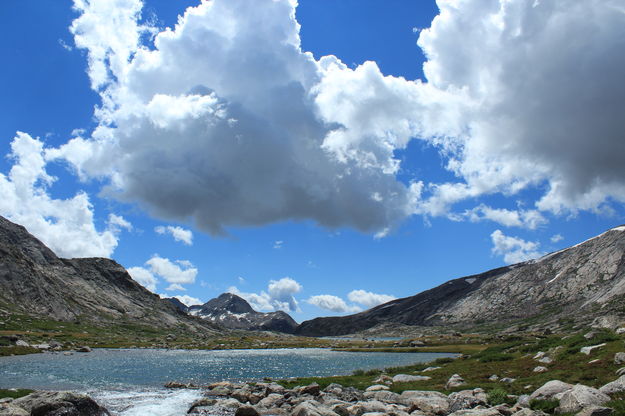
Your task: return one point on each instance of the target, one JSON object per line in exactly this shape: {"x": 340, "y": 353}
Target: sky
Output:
{"x": 319, "y": 158}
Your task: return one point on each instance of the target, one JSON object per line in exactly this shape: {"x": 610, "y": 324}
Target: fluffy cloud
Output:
{"x": 531, "y": 219}
{"x": 67, "y": 226}
{"x": 144, "y": 277}
{"x": 530, "y": 116}
{"x": 179, "y": 271}
{"x": 279, "y": 296}
{"x": 514, "y": 249}
{"x": 175, "y": 287}
{"x": 278, "y": 244}
{"x": 176, "y": 272}
{"x": 227, "y": 122}
{"x": 368, "y": 299}
{"x": 180, "y": 234}
{"x": 332, "y": 303}
{"x": 556, "y": 238}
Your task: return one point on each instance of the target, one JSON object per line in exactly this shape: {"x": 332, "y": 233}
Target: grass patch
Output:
{"x": 15, "y": 350}
{"x": 15, "y": 394}
{"x": 547, "y": 406}
{"x": 497, "y": 396}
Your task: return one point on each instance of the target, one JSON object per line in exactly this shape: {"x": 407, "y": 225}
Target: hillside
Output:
{"x": 35, "y": 282}
{"x": 573, "y": 286}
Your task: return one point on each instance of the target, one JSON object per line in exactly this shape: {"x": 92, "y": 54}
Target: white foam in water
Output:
{"x": 147, "y": 402}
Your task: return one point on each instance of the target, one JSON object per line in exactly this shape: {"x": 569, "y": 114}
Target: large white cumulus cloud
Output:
{"x": 543, "y": 98}
{"x": 225, "y": 121}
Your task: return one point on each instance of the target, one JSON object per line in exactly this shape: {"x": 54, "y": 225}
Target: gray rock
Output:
{"x": 84, "y": 349}
{"x": 425, "y": 370}
{"x": 377, "y": 387}
{"x": 546, "y": 360}
{"x": 312, "y": 389}
{"x": 406, "y": 378}
{"x": 454, "y": 381}
{"x": 529, "y": 412}
{"x": 507, "y": 380}
{"x": 10, "y": 410}
{"x": 429, "y": 402}
{"x": 616, "y": 386}
{"x": 619, "y": 358}
{"x": 494, "y": 377}
{"x": 52, "y": 403}
{"x": 311, "y": 408}
{"x": 467, "y": 399}
{"x": 523, "y": 401}
{"x": 581, "y": 396}
{"x": 539, "y": 355}
{"x": 204, "y": 402}
{"x": 272, "y": 400}
{"x": 21, "y": 343}
{"x": 370, "y": 406}
{"x": 383, "y": 396}
{"x": 620, "y": 371}
{"x": 595, "y": 411}
{"x": 588, "y": 350}
{"x": 550, "y": 389}
{"x": 540, "y": 369}
{"x": 491, "y": 411}
{"x": 620, "y": 331}
{"x": 590, "y": 335}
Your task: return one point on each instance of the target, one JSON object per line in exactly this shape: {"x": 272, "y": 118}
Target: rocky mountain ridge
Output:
{"x": 34, "y": 281}
{"x": 233, "y": 312}
{"x": 577, "y": 285}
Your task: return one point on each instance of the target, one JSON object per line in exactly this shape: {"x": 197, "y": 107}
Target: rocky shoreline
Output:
{"x": 270, "y": 398}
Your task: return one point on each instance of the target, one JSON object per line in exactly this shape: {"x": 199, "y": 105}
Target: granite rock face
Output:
{"x": 585, "y": 283}
{"x": 36, "y": 282}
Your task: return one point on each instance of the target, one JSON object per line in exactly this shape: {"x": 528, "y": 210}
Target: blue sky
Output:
{"x": 318, "y": 185}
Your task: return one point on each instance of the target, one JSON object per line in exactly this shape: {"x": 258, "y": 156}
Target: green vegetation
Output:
{"x": 497, "y": 396}
{"x": 14, "y": 393}
{"x": 547, "y": 406}
{"x": 511, "y": 357}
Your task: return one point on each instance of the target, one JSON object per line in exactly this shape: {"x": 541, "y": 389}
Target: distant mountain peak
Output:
{"x": 232, "y": 311}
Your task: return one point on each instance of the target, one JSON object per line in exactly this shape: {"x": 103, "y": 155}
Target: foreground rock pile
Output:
{"x": 335, "y": 400}
{"x": 52, "y": 403}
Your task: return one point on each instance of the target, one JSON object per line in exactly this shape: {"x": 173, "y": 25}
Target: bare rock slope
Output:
{"x": 579, "y": 284}
{"x": 34, "y": 281}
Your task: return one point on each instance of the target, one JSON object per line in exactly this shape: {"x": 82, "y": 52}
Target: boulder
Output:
{"x": 581, "y": 396}
{"x": 406, "y": 378}
{"x": 429, "y": 402}
{"x": 620, "y": 371}
{"x": 619, "y": 358}
{"x": 616, "y": 386}
{"x": 7, "y": 409}
{"x": 370, "y": 406}
{"x": 454, "y": 381}
{"x": 595, "y": 411}
{"x": 21, "y": 343}
{"x": 546, "y": 360}
{"x": 588, "y": 350}
{"x": 494, "y": 377}
{"x": 383, "y": 396}
{"x": 246, "y": 411}
{"x": 201, "y": 403}
{"x": 383, "y": 379}
{"x": 467, "y": 399}
{"x": 507, "y": 380}
{"x": 491, "y": 411}
{"x": 523, "y": 401}
{"x": 84, "y": 349}
{"x": 620, "y": 331}
{"x": 53, "y": 403}
{"x": 272, "y": 400}
{"x": 311, "y": 408}
{"x": 312, "y": 389}
{"x": 540, "y": 369}
{"x": 550, "y": 390}
{"x": 377, "y": 387}
{"x": 529, "y": 412}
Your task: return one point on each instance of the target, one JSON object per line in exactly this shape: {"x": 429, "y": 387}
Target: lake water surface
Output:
{"x": 129, "y": 381}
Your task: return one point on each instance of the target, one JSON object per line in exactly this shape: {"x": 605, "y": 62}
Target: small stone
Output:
{"x": 594, "y": 361}
{"x": 619, "y": 358}
{"x": 425, "y": 370}
{"x": 21, "y": 343}
{"x": 539, "y": 355}
{"x": 377, "y": 387}
{"x": 84, "y": 349}
{"x": 540, "y": 369}
{"x": 454, "y": 381}
{"x": 620, "y": 331}
{"x": 494, "y": 377}
{"x": 406, "y": 378}
{"x": 546, "y": 360}
{"x": 588, "y": 350}
{"x": 507, "y": 380}
{"x": 620, "y": 371}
